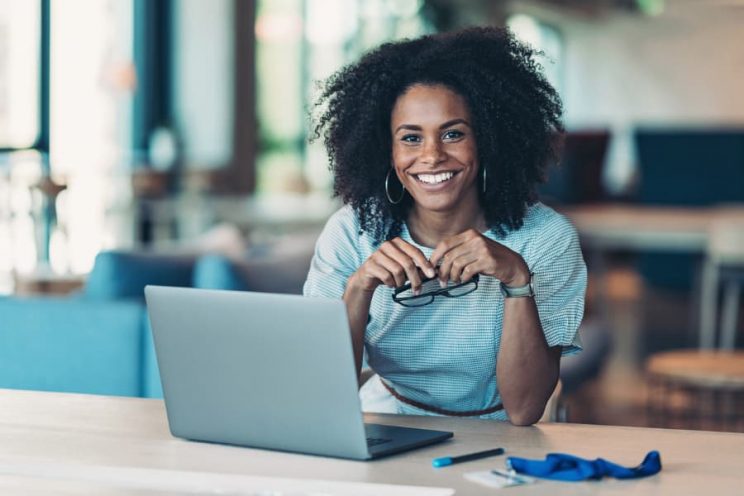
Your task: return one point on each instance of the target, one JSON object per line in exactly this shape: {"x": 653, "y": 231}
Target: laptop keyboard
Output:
{"x": 374, "y": 441}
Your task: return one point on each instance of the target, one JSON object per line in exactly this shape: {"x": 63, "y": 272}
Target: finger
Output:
{"x": 392, "y": 251}
{"x": 417, "y": 256}
{"x": 375, "y": 269}
{"x": 471, "y": 270}
{"x": 457, "y": 272}
{"x": 448, "y": 271}
{"x": 380, "y": 274}
{"x": 393, "y": 266}
{"x": 445, "y": 246}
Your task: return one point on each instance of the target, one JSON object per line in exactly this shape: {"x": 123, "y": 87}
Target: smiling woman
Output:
{"x": 435, "y": 157}
{"x": 436, "y": 145}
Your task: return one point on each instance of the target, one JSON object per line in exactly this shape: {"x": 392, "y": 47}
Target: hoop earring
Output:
{"x": 484, "y": 178}
{"x": 387, "y": 189}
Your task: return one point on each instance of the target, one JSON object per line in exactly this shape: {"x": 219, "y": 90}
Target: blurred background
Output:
{"x": 165, "y": 141}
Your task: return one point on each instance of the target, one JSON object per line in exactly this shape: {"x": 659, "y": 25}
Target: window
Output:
{"x": 91, "y": 88}
{"x": 20, "y": 130}
{"x": 20, "y": 42}
{"x": 301, "y": 42}
{"x": 77, "y": 93}
{"x": 544, "y": 38}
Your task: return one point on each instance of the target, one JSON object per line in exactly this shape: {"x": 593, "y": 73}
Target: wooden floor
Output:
{"x": 642, "y": 320}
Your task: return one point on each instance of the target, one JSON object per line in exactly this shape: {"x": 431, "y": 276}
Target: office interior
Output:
{"x": 168, "y": 142}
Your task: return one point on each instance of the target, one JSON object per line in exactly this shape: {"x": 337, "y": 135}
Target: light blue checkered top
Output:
{"x": 444, "y": 354}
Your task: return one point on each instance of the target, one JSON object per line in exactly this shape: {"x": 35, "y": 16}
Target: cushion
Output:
{"x": 123, "y": 274}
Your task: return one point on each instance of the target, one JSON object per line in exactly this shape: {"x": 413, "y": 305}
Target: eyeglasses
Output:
{"x": 430, "y": 289}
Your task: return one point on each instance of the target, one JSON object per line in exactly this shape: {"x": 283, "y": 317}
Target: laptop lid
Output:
{"x": 258, "y": 369}
{"x": 268, "y": 371}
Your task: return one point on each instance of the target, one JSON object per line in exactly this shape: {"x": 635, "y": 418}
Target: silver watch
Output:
{"x": 518, "y": 291}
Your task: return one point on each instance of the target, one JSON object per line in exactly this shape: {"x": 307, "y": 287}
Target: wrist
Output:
{"x": 520, "y": 276}
{"x": 514, "y": 291}
{"x": 356, "y": 288}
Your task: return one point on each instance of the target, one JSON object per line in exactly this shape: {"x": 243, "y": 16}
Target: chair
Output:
{"x": 696, "y": 389}
{"x": 705, "y": 388}
{"x": 692, "y": 167}
{"x": 724, "y": 265}
{"x": 277, "y": 268}
{"x": 553, "y": 408}
{"x": 97, "y": 341}
{"x": 577, "y": 179}
{"x": 580, "y": 371}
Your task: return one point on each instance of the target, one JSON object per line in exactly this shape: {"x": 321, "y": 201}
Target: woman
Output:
{"x": 436, "y": 146}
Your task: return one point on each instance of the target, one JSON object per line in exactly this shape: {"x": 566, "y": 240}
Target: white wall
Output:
{"x": 684, "y": 66}
{"x": 621, "y": 70}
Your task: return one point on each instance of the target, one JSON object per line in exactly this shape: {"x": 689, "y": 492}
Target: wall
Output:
{"x": 683, "y": 67}
{"x": 686, "y": 65}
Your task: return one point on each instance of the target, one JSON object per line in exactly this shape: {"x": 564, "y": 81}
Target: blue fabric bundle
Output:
{"x": 560, "y": 466}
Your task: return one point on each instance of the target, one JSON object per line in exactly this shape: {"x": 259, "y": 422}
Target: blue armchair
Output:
{"x": 97, "y": 341}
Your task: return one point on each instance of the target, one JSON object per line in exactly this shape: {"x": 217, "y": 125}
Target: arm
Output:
{"x": 394, "y": 263}
{"x": 527, "y": 368}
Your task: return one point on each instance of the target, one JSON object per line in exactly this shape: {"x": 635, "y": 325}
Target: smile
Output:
{"x": 435, "y": 178}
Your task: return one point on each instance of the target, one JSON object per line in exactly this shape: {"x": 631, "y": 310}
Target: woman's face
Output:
{"x": 434, "y": 149}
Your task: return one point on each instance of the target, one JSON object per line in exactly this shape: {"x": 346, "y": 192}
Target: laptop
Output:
{"x": 268, "y": 371}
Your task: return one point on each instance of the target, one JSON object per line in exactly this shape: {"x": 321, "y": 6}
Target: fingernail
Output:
{"x": 442, "y": 284}
{"x": 430, "y": 272}
{"x": 416, "y": 292}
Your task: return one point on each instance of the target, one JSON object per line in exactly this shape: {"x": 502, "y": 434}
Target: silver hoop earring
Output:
{"x": 484, "y": 178}
{"x": 387, "y": 190}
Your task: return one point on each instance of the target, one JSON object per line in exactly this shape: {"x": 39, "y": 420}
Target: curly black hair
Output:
{"x": 516, "y": 117}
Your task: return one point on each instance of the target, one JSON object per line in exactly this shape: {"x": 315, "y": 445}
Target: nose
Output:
{"x": 432, "y": 153}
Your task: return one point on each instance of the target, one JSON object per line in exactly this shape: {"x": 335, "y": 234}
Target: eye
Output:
{"x": 410, "y": 138}
{"x": 452, "y": 134}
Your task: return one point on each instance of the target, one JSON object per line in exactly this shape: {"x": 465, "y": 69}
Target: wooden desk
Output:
{"x": 636, "y": 227}
{"x": 605, "y": 228}
{"x": 77, "y": 444}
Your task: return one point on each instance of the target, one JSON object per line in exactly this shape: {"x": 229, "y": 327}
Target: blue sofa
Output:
{"x": 99, "y": 340}
{"x": 96, "y": 341}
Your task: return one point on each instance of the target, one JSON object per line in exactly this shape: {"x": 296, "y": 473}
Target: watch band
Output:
{"x": 528, "y": 290}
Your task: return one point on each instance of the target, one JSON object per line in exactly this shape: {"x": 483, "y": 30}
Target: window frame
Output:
{"x": 41, "y": 143}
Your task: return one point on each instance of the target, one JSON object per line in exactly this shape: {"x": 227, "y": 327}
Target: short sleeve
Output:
{"x": 560, "y": 285}
{"x": 336, "y": 256}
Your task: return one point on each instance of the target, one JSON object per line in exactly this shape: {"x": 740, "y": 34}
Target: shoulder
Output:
{"x": 344, "y": 219}
{"x": 343, "y": 228}
{"x": 543, "y": 222}
{"x": 342, "y": 223}
{"x": 544, "y": 235}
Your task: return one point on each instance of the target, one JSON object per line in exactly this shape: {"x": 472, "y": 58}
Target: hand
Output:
{"x": 394, "y": 263}
{"x": 470, "y": 252}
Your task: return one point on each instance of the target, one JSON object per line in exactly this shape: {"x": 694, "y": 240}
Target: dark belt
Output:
{"x": 440, "y": 411}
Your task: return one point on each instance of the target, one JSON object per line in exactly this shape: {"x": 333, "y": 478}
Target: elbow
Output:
{"x": 524, "y": 416}
{"x": 524, "y": 419}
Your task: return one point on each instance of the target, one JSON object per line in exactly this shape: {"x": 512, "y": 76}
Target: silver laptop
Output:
{"x": 266, "y": 371}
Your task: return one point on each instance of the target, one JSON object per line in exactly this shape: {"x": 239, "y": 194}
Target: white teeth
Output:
{"x": 435, "y": 178}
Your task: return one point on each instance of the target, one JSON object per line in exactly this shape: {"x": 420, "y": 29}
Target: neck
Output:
{"x": 429, "y": 228}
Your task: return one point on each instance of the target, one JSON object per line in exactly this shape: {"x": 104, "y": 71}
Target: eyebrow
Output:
{"x": 414, "y": 127}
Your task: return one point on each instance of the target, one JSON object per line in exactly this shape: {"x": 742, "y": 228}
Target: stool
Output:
{"x": 696, "y": 390}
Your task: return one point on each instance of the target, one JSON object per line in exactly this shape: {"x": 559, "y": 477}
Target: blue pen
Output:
{"x": 451, "y": 460}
